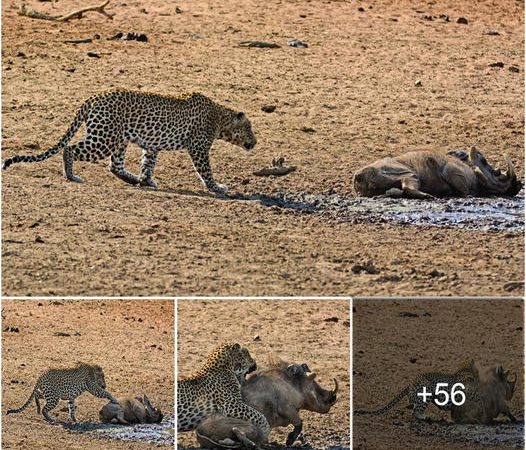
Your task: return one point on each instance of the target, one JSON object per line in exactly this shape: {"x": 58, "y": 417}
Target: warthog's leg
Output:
{"x": 242, "y": 437}
{"x": 293, "y": 435}
{"x": 411, "y": 188}
{"x": 508, "y": 413}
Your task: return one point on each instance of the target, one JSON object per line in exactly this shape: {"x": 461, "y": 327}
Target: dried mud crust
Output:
{"x": 133, "y": 341}
{"x": 295, "y": 330}
{"x": 346, "y": 100}
{"x": 429, "y": 336}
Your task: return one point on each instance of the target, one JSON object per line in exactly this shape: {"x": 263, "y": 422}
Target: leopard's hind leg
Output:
{"x": 149, "y": 159}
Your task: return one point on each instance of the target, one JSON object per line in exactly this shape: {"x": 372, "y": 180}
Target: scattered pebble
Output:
{"x": 268, "y": 108}
{"x": 497, "y": 64}
{"x": 131, "y": 36}
{"x": 418, "y": 83}
{"x": 331, "y": 319}
{"x": 492, "y": 33}
{"x": 12, "y": 329}
{"x": 93, "y": 55}
{"x": 367, "y": 267}
{"x": 256, "y": 338}
{"x": 39, "y": 240}
{"x": 407, "y": 314}
{"x": 513, "y": 69}
{"x": 462, "y": 20}
{"x": 297, "y": 43}
{"x": 308, "y": 130}
{"x": 513, "y": 286}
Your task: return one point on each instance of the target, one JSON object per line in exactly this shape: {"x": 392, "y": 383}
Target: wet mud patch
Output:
{"x": 160, "y": 434}
{"x": 483, "y": 214}
{"x": 501, "y": 434}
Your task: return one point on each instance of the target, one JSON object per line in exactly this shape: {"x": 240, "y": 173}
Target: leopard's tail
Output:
{"x": 73, "y": 128}
{"x": 24, "y": 406}
{"x": 403, "y": 393}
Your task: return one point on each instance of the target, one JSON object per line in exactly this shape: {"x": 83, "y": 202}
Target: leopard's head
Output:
{"x": 233, "y": 357}
{"x": 238, "y": 131}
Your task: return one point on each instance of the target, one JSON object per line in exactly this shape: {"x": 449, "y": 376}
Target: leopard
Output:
{"x": 467, "y": 374}
{"x": 154, "y": 122}
{"x": 66, "y": 384}
{"x": 215, "y": 388}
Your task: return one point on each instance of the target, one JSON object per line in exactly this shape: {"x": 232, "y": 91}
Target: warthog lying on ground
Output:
{"x": 279, "y": 392}
{"x": 130, "y": 410}
{"x": 429, "y": 174}
{"x": 493, "y": 391}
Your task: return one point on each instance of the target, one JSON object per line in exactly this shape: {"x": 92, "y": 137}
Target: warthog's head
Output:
{"x": 492, "y": 181}
{"x": 371, "y": 181}
{"x": 154, "y": 415}
{"x": 502, "y": 377}
{"x": 315, "y": 398}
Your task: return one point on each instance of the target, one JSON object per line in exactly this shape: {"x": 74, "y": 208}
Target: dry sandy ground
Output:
{"x": 444, "y": 334}
{"x": 354, "y": 85}
{"x": 133, "y": 341}
{"x": 296, "y": 331}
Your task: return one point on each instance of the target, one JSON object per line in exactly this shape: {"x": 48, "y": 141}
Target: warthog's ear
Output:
{"x": 293, "y": 370}
{"x": 311, "y": 375}
{"x": 499, "y": 371}
{"x": 147, "y": 401}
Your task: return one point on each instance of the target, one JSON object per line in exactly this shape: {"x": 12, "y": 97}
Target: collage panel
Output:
{"x": 113, "y": 358}
{"x": 293, "y": 373}
{"x": 435, "y": 374}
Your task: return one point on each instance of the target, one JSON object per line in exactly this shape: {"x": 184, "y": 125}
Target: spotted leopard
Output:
{"x": 215, "y": 389}
{"x": 66, "y": 384}
{"x": 466, "y": 374}
{"x": 154, "y": 122}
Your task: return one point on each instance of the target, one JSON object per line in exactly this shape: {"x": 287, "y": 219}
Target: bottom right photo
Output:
{"x": 438, "y": 374}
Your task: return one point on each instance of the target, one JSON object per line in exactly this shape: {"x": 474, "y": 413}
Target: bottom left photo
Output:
{"x": 75, "y": 371}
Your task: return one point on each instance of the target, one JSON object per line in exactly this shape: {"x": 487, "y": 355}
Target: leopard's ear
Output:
{"x": 240, "y": 116}
{"x": 236, "y": 346}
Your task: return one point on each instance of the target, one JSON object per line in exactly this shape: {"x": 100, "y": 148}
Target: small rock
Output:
{"x": 436, "y": 273}
{"x": 308, "y": 130}
{"x": 462, "y": 20}
{"x": 178, "y": 10}
{"x": 39, "y": 240}
{"x": 21, "y": 55}
{"x": 412, "y": 360}
{"x": 268, "y": 108}
{"x": 418, "y": 83}
{"x": 445, "y": 17}
{"x": 427, "y": 17}
{"x": 492, "y": 33}
{"x": 331, "y": 319}
{"x": 513, "y": 69}
{"x": 346, "y": 323}
{"x": 407, "y": 314}
{"x": 256, "y": 338}
{"x": 513, "y": 286}
{"x": 93, "y": 55}
{"x": 12, "y": 329}
{"x": 367, "y": 267}
{"x": 361, "y": 9}
{"x": 297, "y": 43}
{"x": 497, "y": 64}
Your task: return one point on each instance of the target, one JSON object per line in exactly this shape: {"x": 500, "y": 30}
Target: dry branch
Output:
{"x": 73, "y": 15}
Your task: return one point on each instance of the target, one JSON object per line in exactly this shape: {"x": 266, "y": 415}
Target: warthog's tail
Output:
{"x": 383, "y": 409}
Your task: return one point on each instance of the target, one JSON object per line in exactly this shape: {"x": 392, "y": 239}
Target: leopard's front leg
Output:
{"x": 200, "y": 154}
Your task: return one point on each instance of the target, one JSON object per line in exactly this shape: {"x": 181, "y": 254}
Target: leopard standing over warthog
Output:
{"x": 277, "y": 393}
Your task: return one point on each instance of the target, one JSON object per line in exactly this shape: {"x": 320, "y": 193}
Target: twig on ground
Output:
{"x": 73, "y": 15}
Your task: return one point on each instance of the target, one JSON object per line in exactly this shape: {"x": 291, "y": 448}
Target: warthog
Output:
{"x": 493, "y": 391}
{"x": 279, "y": 392}
{"x": 130, "y": 410}
{"x": 428, "y": 174}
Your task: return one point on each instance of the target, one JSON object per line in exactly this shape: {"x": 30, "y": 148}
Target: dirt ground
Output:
{"x": 354, "y": 87}
{"x": 133, "y": 341}
{"x": 392, "y": 347}
{"x": 294, "y": 330}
